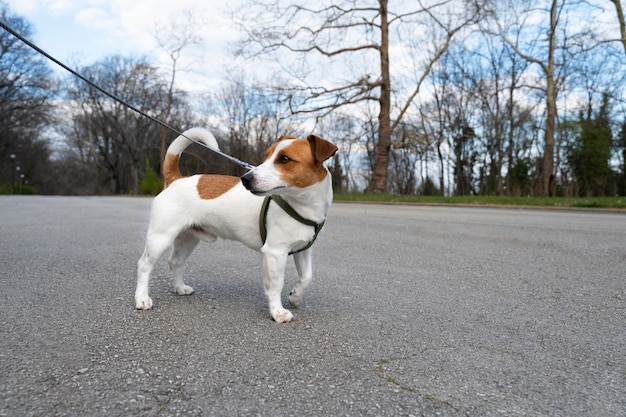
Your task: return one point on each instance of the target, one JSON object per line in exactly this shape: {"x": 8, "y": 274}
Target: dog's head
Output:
{"x": 290, "y": 163}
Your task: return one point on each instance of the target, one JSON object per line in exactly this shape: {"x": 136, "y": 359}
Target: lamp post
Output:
{"x": 12, "y": 173}
{"x": 19, "y": 173}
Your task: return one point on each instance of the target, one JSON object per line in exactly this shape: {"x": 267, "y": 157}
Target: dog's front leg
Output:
{"x": 304, "y": 266}
{"x": 274, "y": 278}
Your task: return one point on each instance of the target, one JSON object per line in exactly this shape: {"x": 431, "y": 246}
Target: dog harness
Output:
{"x": 293, "y": 213}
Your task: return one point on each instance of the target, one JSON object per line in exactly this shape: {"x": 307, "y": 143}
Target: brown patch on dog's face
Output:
{"x": 300, "y": 164}
{"x": 213, "y": 186}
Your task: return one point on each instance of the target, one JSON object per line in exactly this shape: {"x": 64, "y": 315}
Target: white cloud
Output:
{"x": 23, "y": 7}
{"x": 95, "y": 19}
{"x": 57, "y": 6}
{"x": 93, "y": 29}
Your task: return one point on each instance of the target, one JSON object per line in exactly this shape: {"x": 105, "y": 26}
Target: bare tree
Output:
{"x": 117, "y": 135}
{"x": 347, "y": 133}
{"x": 27, "y": 88}
{"x": 545, "y": 59}
{"x": 485, "y": 74}
{"x": 174, "y": 38}
{"x": 249, "y": 118}
{"x": 404, "y": 157}
{"x": 432, "y": 125}
{"x": 345, "y": 37}
{"x": 549, "y": 42}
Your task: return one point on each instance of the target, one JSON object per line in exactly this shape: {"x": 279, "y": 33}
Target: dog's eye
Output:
{"x": 283, "y": 159}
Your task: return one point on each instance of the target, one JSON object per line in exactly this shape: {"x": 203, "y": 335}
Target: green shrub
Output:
{"x": 5, "y": 188}
{"x": 150, "y": 184}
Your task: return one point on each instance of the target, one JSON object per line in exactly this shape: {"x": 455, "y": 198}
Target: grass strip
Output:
{"x": 562, "y": 202}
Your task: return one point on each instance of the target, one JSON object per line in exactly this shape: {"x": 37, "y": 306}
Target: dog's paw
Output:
{"x": 281, "y": 315}
{"x": 184, "y": 290}
{"x": 144, "y": 303}
{"x": 295, "y": 298}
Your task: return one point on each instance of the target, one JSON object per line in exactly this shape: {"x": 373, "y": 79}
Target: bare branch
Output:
{"x": 317, "y": 48}
{"x": 335, "y": 98}
{"x": 431, "y": 63}
{"x": 620, "y": 18}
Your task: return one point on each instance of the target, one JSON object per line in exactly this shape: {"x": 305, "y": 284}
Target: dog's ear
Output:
{"x": 322, "y": 149}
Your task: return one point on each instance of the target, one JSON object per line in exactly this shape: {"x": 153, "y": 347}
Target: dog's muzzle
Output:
{"x": 247, "y": 179}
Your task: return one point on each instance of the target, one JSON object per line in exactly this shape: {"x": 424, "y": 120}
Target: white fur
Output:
{"x": 180, "y": 218}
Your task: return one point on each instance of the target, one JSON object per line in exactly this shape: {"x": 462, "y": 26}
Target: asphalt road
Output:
{"x": 447, "y": 311}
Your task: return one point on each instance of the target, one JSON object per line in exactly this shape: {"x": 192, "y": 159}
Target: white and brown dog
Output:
{"x": 205, "y": 207}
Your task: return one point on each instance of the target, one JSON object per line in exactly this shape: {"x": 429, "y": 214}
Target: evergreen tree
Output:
{"x": 589, "y": 158}
{"x": 620, "y": 145}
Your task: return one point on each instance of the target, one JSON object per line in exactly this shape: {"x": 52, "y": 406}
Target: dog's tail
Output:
{"x": 171, "y": 172}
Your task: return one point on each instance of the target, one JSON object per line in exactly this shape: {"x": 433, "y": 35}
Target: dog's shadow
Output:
{"x": 223, "y": 285}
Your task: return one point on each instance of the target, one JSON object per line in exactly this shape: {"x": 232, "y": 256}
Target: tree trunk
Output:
{"x": 511, "y": 134}
{"x": 620, "y": 19}
{"x": 442, "y": 182}
{"x": 166, "y": 116}
{"x": 548, "y": 154}
{"x": 378, "y": 183}
{"x": 134, "y": 178}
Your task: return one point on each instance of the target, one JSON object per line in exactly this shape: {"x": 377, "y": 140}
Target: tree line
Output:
{"x": 437, "y": 98}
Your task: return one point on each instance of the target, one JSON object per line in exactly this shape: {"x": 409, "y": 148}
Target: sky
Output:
{"x": 85, "y": 31}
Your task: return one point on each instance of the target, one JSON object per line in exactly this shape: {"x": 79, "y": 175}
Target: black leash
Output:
{"x": 245, "y": 165}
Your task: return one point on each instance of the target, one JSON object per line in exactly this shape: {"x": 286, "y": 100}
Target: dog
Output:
{"x": 207, "y": 207}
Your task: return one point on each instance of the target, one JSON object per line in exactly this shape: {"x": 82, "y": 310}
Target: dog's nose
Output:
{"x": 246, "y": 180}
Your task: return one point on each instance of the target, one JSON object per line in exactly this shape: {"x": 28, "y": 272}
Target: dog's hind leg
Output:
{"x": 184, "y": 244}
{"x": 156, "y": 244}
{"x": 304, "y": 266}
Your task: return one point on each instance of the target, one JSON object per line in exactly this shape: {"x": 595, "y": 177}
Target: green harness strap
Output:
{"x": 293, "y": 213}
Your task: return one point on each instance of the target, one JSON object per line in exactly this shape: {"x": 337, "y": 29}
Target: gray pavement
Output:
{"x": 414, "y": 310}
